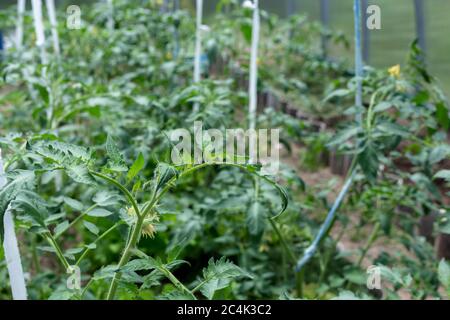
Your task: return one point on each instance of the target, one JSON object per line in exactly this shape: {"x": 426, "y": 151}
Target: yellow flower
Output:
{"x": 394, "y": 71}
{"x": 169, "y": 56}
{"x": 148, "y": 230}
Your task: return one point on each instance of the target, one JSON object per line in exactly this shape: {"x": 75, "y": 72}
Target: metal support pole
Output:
{"x": 325, "y": 19}
{"x": 420, "y": 24}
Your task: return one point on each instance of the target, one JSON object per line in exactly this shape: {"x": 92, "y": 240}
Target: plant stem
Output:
{"x": 58, "y": 251}
{"x": 177, "y": 283}
{"x": 75, "y": 221}
{"x": 299, "y": 276}
{"x": 370, "y": 241}
{"x": 124, "y": 190}
{"x": 104, "y": 234}
{"x": 135, "y": 235}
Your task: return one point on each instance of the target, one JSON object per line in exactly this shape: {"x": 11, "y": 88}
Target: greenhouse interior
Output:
{"x": 227, "y": 150}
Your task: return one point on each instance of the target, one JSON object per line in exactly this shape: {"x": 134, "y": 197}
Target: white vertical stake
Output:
{"x": 39, "y": 28}
{"x": 12, "y": 255}
{"x": 198, "y": 47}
{"x": 19, "y": 27}
{"x": 254, "y": 66}
{"x": 50, "y": 4}
{"x": 110, "y": 15}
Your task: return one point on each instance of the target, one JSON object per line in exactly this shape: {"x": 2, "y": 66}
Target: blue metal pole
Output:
{"x": 325, "y": 19}
{"x": 2, "y": 45}
{"x": 358, "y": 57}
{"x": 420, "y": 24}
{"x": 328, "y": 223}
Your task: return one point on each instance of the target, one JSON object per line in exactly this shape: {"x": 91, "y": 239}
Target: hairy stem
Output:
{"x": 135, "y": 236}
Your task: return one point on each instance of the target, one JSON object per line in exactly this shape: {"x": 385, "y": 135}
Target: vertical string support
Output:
{"x": 54, "y": 25}
{"x": 176, "y": 7}
{"x": 198, "y": 46}
{"x": 325, "y": 20}
{"x": 11, "y": 248}
{"x": 110, "y": 23}
{"x": 358, "y": 57}
{"x": 253, "y": 83}
{"x": 19, "y": 26}
{"x": 39, "y": 29}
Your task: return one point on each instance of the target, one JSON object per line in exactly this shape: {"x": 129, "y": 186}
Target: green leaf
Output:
{"x": 91, "y": 227}
{"x": 164, "y": 174}
{"x": 20, "y": 181}
{"x": 80, "y": 174}
{"x": 344, "y": 135}
{"x": 393, "y": 129}
{"x": 137, "y": 166}
{"x": 99, "y": 212}
{"x": 61, "y": 228}
{"x": 256, "y": 218}
{"x": 382, "y": 106}
{"x": 444, "y": 273}
{"x": 443, "y": 174}
{"x": 32, "y": 208}
{"x": 337, "y": 94}
{"x": 106, "y": 198}
{"x": 442, "y": 115}
{"x": 74, "y": 204}
{"x": 439, "y": 153}
{"x": 218, "y": 275}
{"x": 116, "y": 161}
{"x": 368, "y": 161}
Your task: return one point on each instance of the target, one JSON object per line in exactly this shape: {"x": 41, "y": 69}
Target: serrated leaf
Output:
{"x": 21, "y": 181}
{"x": 218, "y": 275}
{"x": 80, "y": 174}
{"x": 106, "y": 198}
{"x": 368, "y": 161}
{"x": 393, "y": 129}
{"x": 344, "y": 135}
{"x": 256, "y": 218}
{"x": 443, "y": 174}
{"x": 116, "y": 161}
{"x": 163, "y": 175}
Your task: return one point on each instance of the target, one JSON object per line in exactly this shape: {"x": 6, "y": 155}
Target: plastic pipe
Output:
{"x": 253, "y": 97}
{"x": 39, "y": 28}
{"x": 11, "y": 248}
{"x": 54, "y": 24}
